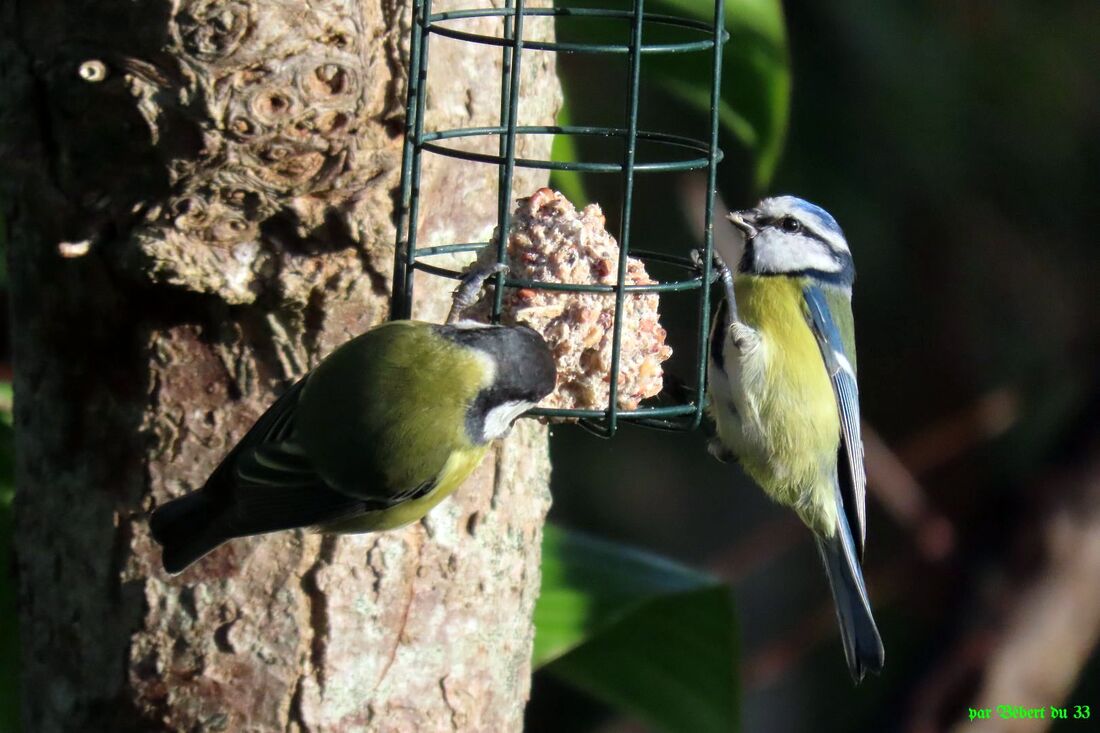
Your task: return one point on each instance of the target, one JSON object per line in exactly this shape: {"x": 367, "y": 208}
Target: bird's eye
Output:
{"x": 790, "y": 225}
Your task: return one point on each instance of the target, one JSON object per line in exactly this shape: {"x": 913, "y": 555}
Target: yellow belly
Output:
{"x": 787, "y": 430}
{"x": 455, "y": 471}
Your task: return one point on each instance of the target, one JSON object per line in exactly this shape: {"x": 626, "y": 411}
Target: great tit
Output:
{"x": 376, "y": 435}
{"x": 783, "y": 393}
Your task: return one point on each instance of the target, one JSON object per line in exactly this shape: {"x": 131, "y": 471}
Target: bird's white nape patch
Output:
{"x": 467, "y": 324}
{"x": 488, "y": 366}
{"x": 499, "y": 419}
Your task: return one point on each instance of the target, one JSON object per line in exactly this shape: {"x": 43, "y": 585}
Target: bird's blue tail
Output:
{"x": 862, "y": 643}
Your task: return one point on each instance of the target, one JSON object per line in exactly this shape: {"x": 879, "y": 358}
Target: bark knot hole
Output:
{"x": 213, "y": 29}
{"x": 92, "y": 71}
{"x": 328, "y": 80}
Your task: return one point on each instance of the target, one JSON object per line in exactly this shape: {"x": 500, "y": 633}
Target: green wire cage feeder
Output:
{"x": 684, "y": 410}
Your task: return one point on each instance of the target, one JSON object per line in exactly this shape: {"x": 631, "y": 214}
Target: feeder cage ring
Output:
{"x": 434, "y": 25}
{"x": 673, "y": 141}
{"x": 675, "y": 154}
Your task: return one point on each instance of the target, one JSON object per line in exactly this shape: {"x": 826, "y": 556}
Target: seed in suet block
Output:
{"x": 550, "y": 241}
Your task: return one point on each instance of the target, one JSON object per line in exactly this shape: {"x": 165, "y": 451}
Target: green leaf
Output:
{"x": 647, "y": 636}
{"x": 728, "y": 117}
{"x": 569, "y": 183}
{"x": 756, "y": 76}
{"x": 5, "y": 410}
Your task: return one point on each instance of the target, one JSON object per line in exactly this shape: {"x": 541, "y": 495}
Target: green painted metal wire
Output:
{"x": 436, "y": 26}
{"x": 428, "y": 143}
{"x": 686, "y": 154}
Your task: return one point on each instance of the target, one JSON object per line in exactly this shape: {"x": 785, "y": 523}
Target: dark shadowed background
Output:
{"x": 958, "y": 146}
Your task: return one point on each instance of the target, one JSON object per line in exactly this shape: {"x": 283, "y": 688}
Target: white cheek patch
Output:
{"x": 499, "y": 419}
{"x": 778, "y": 254}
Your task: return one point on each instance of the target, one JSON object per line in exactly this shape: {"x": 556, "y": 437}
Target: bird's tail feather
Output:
{"x": 862, "y": 643}
{"x": 187, "y": 529}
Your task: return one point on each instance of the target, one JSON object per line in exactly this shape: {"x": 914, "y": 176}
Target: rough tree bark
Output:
{"x": 202, "y": 209}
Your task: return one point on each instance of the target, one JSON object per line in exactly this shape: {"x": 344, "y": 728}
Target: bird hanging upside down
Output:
{"x": 783, "y": 391}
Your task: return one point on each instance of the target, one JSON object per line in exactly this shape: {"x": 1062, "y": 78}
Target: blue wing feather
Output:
{"x": 850, "y": 472}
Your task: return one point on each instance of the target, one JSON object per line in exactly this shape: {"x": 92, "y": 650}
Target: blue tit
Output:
{"x": 376, "y": 435}
{"x": 783, "y": 393}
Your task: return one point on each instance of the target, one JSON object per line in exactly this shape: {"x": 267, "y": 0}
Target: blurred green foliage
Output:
{"x": 755, "y": 86}
{"x": 756, "y": 80}
{"x": 564, "y": 148}
{"x": 9, "y": 637}
{"x": 649, "y": 636}
{"x": 957, "y": 144}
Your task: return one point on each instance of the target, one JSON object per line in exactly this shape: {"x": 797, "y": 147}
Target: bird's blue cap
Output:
{"x": 824, "y": 216}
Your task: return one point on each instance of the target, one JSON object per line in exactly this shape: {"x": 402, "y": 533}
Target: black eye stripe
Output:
{"x": 805, "y": 230}
{"x": 784, "y": 224}
{"x": 790, "y": 225}
{"x": 809, "y": 233}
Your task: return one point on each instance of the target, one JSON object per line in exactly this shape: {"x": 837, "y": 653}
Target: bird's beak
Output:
{"x": 743, "y": 220}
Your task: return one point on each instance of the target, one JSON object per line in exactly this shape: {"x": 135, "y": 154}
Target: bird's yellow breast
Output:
{"x": 456, "y": 470}
{"x": 789, "y": 426}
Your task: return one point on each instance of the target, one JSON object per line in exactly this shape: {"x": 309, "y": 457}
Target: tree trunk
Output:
{"x": 203, "y": 210}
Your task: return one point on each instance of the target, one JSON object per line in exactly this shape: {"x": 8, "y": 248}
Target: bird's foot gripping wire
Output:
{"x": 696, "y": 257}
{"x": 724, "y": 275}
{"x": 469, "y": 288}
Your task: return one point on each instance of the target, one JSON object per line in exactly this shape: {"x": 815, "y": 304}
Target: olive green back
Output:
{"x": 384, "y": 412}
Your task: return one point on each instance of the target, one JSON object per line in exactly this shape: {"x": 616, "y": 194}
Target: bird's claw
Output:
{"x": 720, "y": 452}
{"x": 726, "y": 277}
{"x": 744, "y": 337}
{"x": 469, "y": 288}
{"x": 717, "y": 266}
{"x": 696, "y": 257}
{"x": 722, "y": 273}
